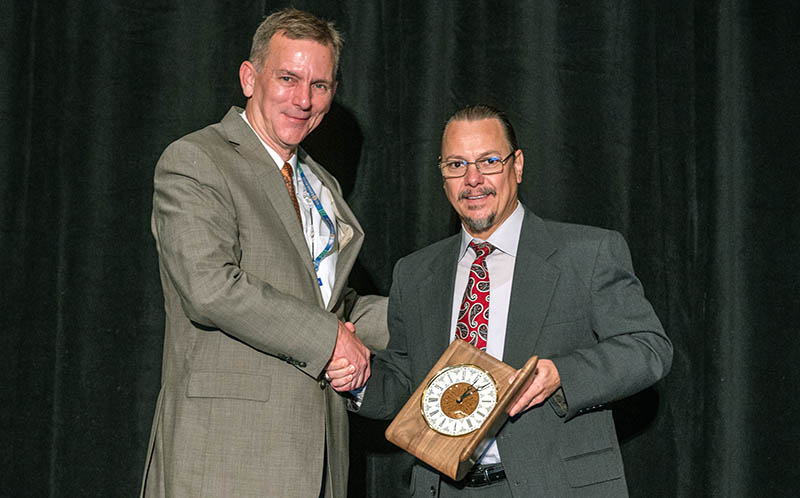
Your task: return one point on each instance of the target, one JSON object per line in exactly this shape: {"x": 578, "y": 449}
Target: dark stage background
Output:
{"x": 672, "y": 122}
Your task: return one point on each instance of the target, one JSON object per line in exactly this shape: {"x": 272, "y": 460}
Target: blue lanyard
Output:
{"x": 325, "y": 218}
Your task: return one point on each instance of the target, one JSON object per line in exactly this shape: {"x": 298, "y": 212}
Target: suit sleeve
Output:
{"x": 632, "y": 351}
{"x": 390, "y": 386}
{"x": 368, "y": 314}
{"x": 196, "y": 231}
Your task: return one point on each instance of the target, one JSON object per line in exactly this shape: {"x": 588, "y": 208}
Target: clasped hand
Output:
{"x": 348, "y": 368}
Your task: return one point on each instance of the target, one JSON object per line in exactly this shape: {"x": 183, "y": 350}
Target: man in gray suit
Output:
{"x": 255, "y": 244}
{"x": 566, "y": 293}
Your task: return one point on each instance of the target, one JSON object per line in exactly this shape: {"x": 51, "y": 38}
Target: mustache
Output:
{"x": 480, "y": 191}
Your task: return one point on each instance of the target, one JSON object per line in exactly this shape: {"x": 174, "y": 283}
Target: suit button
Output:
{"x": 322, "y": 384}
{"x": 301, "y": 364}
{"x": 433, "y": 491}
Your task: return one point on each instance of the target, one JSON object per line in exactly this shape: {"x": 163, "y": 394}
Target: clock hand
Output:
{"x": 466, "y": 393}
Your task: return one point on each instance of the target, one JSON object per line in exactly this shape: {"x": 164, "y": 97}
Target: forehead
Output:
{"x": 474, "y": 137}
{"x": 287, "y": 53}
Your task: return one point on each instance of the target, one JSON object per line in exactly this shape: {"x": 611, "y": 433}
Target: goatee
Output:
{"x": 479, "y": 225}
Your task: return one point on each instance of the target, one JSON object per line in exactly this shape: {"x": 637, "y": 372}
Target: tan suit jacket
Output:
{"x": 242, "y": 411}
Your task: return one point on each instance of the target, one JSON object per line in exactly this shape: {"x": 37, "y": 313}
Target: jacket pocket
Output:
{"x": 228, "y": 385}
{"x": 593, "y": 467}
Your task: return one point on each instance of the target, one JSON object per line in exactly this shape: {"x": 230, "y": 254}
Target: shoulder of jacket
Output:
{"x": 568, "y": 234}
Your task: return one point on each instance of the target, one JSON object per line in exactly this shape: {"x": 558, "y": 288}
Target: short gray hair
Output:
{"x": 296, "y": 25}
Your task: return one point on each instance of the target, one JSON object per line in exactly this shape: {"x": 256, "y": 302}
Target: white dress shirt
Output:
{"x": 315, "y": 230}
{"x": 500, "y": 265}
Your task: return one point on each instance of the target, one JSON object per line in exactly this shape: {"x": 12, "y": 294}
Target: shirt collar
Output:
{"x": 505, "y": 238}
{"x": 274, "y": 155}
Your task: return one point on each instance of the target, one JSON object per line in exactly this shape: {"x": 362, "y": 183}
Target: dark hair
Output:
{"x": 296, "y": 25}
{"x": 477, "y": 112}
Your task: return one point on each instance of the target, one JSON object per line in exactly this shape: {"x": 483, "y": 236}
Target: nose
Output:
{"x": 302, "y": 97}
{"x": 473, "y": 177}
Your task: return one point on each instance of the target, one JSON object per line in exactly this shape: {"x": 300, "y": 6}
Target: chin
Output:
{"x": 479, "y": 225}
{"x": 292, "y": 139}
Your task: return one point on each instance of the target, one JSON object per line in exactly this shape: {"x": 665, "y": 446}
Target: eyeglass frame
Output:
{"x": 466, "y": 164}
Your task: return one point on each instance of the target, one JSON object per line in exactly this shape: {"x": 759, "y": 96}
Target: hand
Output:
{"x": 348, "y": 367}
{"x": 544, "y": 381}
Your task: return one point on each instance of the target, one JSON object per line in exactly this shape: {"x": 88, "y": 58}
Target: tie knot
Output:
{"x": 482, "y": 249}
{"x": 287, "y": 171}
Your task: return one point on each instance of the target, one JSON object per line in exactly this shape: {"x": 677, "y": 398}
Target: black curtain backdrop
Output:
{"x": 672, "y": 122}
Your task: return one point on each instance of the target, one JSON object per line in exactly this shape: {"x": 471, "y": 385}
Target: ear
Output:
{"x": 519, "y": 162}
{"x": 247, "y": 78}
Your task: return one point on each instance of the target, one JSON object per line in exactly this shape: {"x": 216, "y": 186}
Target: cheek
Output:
{"x": 450, "y": 191}
{"x": 276, "y": 94}
{"x": 322, "y": 105}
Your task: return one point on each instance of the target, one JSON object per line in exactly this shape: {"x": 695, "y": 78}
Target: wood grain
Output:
{"x": 453, "y": 456}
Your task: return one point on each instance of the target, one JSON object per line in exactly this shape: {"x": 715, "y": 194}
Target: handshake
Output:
{"x": 348, "y": 368}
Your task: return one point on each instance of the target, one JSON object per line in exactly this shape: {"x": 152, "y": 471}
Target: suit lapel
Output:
{"x": 534, "y": 283}
{"x": 269, "y": 178}
{"x": 436, "y": 300}
{"x": 349, "y": 234}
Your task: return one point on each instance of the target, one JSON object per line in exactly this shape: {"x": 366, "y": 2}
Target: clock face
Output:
{"x": 458, "y": 399}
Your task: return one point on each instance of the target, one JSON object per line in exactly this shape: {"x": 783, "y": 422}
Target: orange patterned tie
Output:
{"x": 286, "y": 171}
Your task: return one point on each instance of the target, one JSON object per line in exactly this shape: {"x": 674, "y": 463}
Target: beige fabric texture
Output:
{"x": 242, "y": 411}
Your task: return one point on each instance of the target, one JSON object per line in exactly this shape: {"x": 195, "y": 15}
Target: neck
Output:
{"x": 257, "y": 124}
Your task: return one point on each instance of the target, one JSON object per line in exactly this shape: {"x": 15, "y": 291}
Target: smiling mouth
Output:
{"x": 296, "y": 118}
{"x": 476, "y": 196}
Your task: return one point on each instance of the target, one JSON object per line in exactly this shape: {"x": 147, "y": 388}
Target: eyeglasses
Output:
{"x": 456, "y": 168}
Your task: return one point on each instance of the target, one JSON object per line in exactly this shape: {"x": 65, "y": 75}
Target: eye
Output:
{"x": 490, "y": 161}
{"x": 321, "y": 87}
{"x": 456, "y": 164}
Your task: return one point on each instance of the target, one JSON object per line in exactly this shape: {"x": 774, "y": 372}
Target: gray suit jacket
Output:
{"x": 575, "y": 300}
{"x": 242, "y": 411}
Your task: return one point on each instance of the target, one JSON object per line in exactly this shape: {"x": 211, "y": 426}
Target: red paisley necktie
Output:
{"x": 473, "y": 316}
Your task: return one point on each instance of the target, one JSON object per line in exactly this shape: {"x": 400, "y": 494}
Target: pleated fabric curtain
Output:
{"x": 672, "y": 122}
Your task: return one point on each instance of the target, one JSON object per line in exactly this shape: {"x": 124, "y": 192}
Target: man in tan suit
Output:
{"x": 255, "y": 244}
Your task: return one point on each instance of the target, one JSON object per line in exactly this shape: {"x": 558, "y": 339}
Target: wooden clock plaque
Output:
{"x": 457, "y": 409}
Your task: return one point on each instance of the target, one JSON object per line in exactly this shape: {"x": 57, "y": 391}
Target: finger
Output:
{"x": 341, "y": 365}
{"x": 338, "y": 364}
{"x": 350, "y": 326}
{"x": 341, "y": 372}
{"x": 342, "y": 383}
{"x": 517, "y": 405}
{"x": 359, "y": 379}
{"x": 523, "y": 401}
{"x": 520, "y": 406}
{"x": 516, "y": 408}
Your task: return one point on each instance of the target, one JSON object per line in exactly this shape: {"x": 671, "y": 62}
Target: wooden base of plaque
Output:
{"x": 453, "y": 456}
